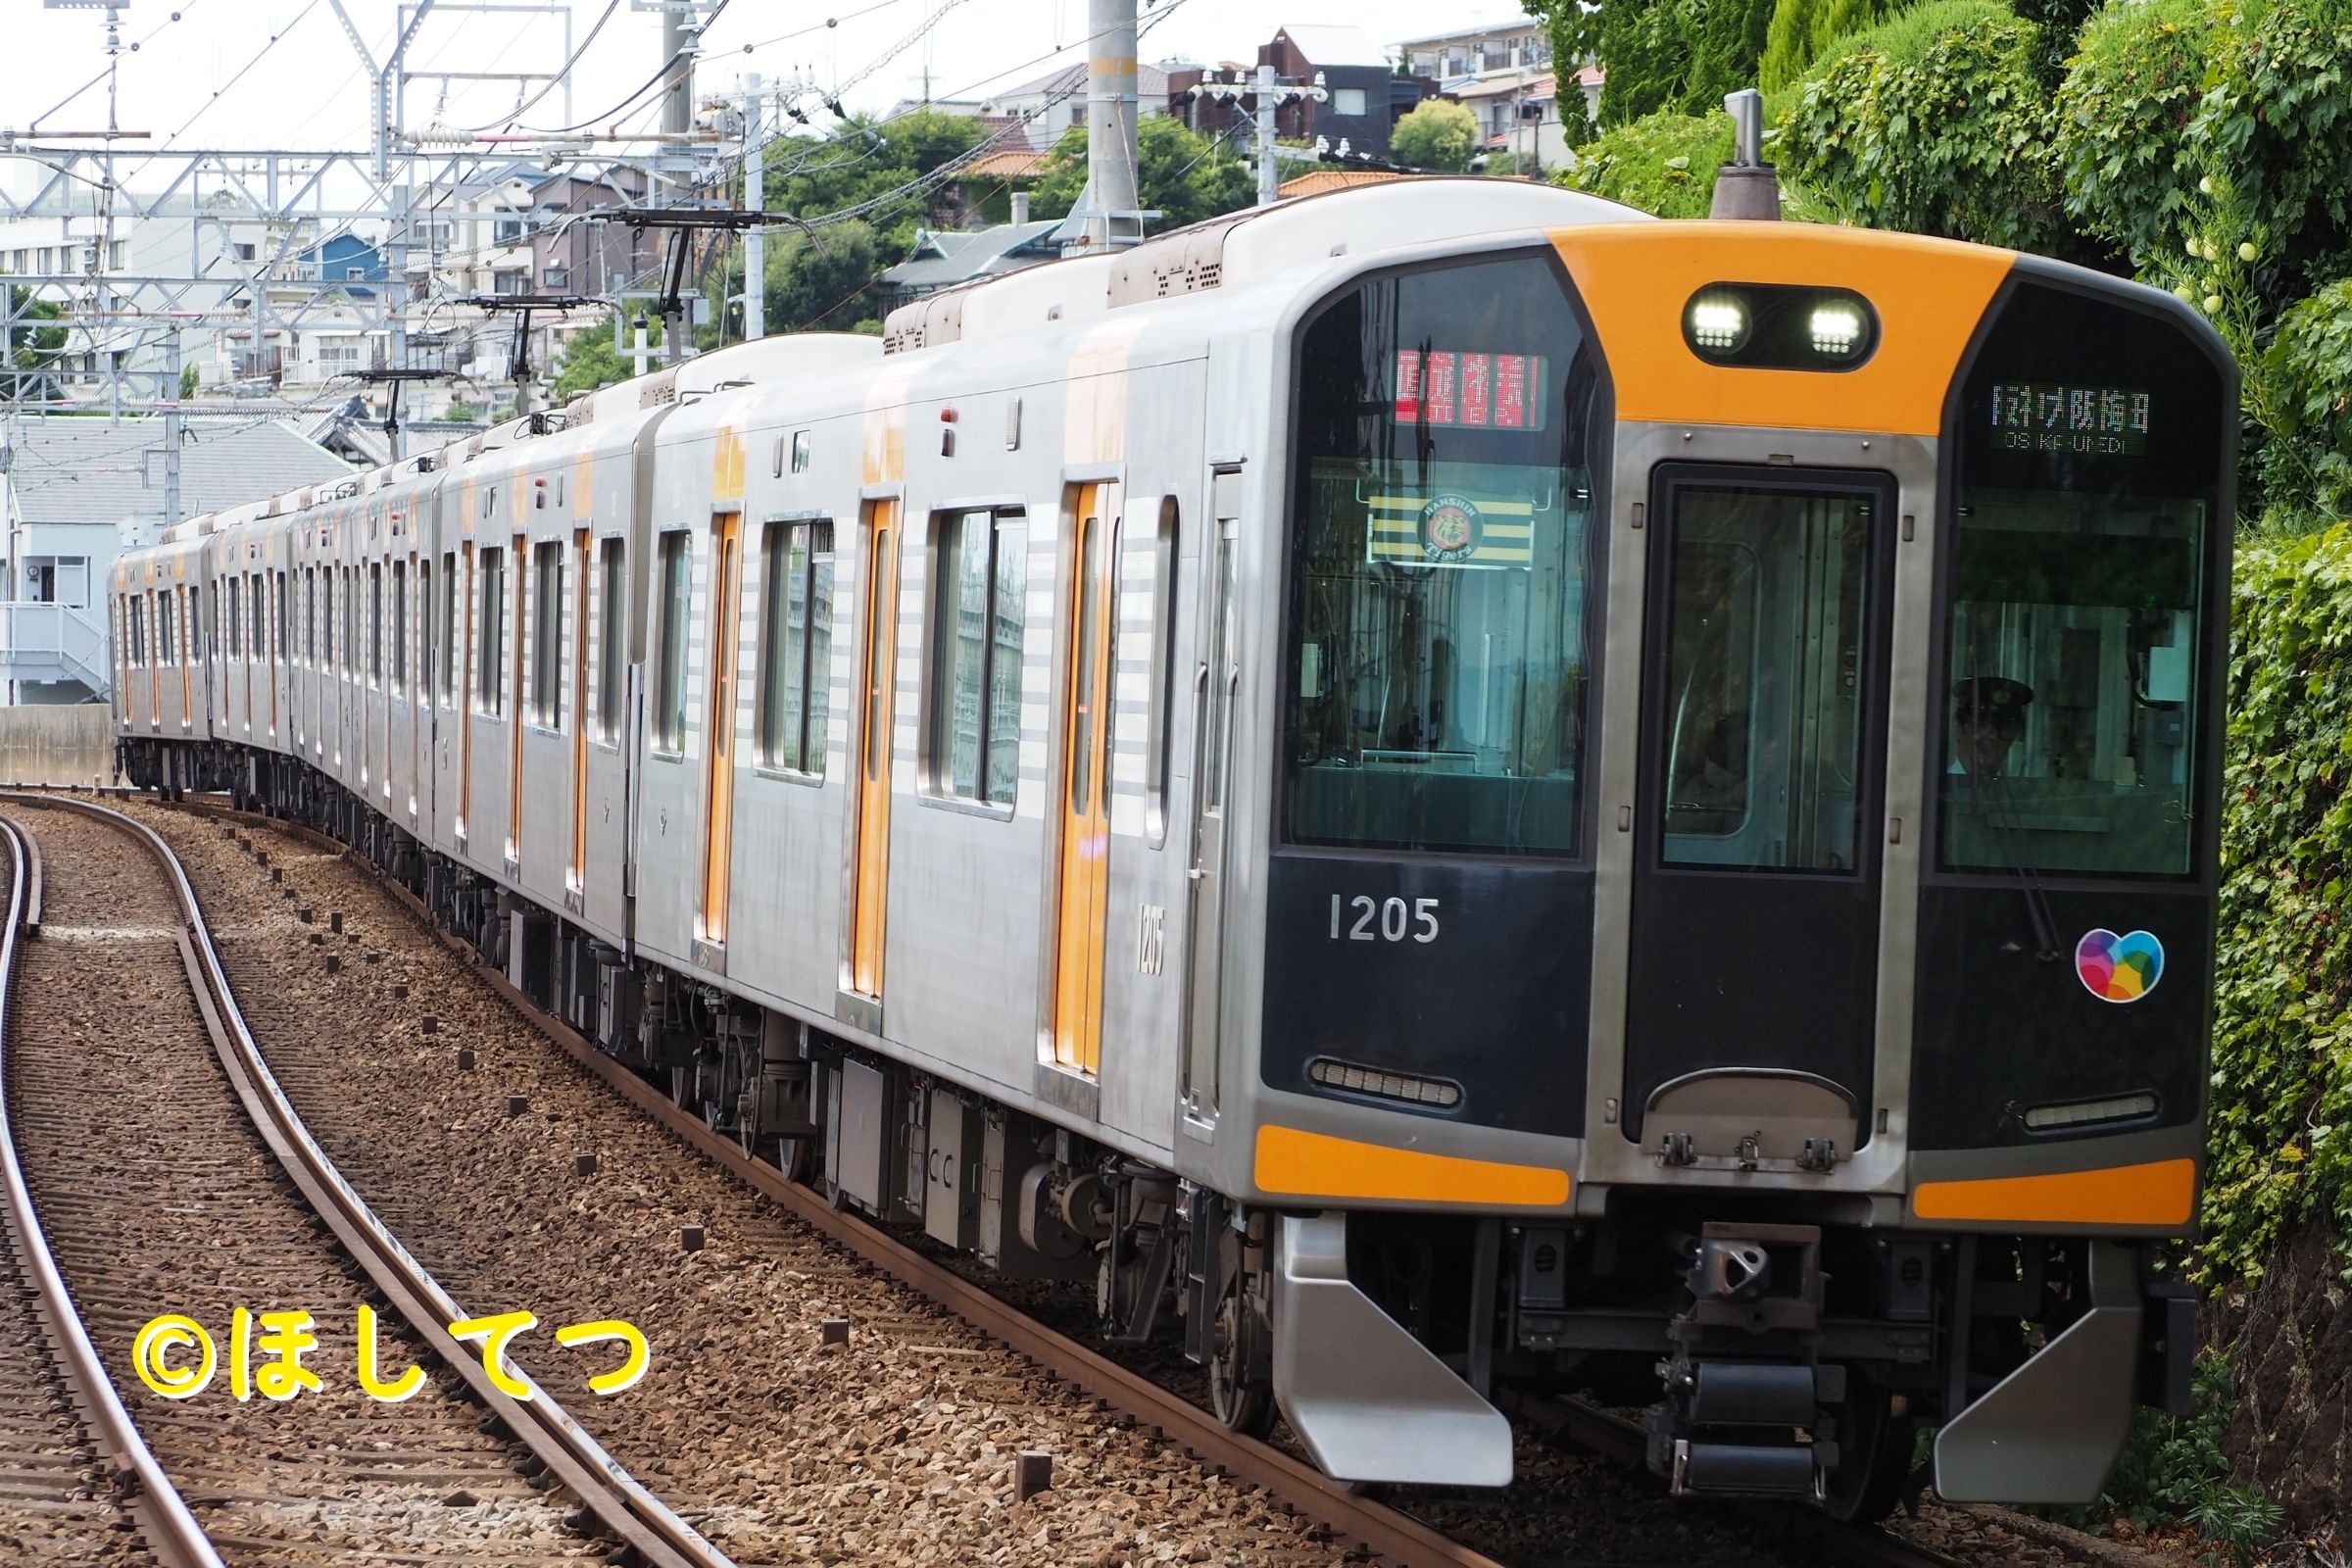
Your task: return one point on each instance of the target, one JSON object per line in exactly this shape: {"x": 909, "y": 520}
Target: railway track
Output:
{"x": 1395, "y": 1535}
{"x": 75, "y": 1476}
{"x": 170, "y": 1175}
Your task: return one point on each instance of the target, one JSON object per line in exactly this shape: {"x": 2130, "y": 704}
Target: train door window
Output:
{"x": 1768, "y": 610}
{"x": 138, "y": 631}
{"x": 796, "y": 646}
{"x": 1439, "y": 649}
{"x": 400, "y": 627}
{"x": 547, "y": 634}
{"x": 1163, "y": 674}
{"x": 165, "y": 641}
{"x": 233, "y": 600}
{"x": 675, "y": 559}
{"x": 490, "y": 697}
{"x": 376, "y": 624}
{"x": 448, "y": 646}
{"x": 256, "y": 598}
{"x": 612, "y": 668}
{"x": 972, "y": 741}
{"x": 426, "y": 644}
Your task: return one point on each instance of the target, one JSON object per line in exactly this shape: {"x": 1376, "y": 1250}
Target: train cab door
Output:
{"x": 877, "y": 645}
{"x": 719, "y": 751}
{"x": 1216, "y": 681}
{"x": 1082, "y": 879}
{"x": 1760, "y": 815}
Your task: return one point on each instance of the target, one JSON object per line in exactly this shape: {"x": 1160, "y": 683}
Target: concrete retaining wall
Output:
{"x": 48, "y": 745}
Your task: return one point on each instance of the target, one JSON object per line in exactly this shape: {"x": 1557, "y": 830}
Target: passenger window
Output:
{"x": 796, "y": 646}
{"x": 979, "y": 607}
{"x": 676, "y": 559}
{"x": 489, "y": 688}
{"x": 547, "y": 634}
{"x": 612, "y": 664}
{"x": 448, "y": 646}
{"x": 1163, "y": 674}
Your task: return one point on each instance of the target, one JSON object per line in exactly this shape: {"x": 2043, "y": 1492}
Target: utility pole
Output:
{"x": 172, "y": 429}
{"x": 678, "y": 33}
{"x": 755, "y": 198}
{"x": 1270, "y": 95}
{"x": 1108, "y": 206}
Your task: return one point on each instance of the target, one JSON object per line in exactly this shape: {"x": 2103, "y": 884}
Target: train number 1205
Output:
{"x": 1383, "y": 920}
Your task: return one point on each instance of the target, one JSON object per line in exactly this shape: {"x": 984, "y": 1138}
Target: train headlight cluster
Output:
{"x": 1780, "y": 326}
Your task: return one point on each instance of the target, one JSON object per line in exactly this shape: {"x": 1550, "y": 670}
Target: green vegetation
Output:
{"x": 2282, "y": 1109}
{"x": 31, "y": 349}
{"x": 2176, "y": 1470}
{"x": 187, "y": 381}
{"x": 1435, "y": 133}
{"x": 590, "y": 361}
{"x": 1182, "y": 177}
{"x": 1662, "y": 163}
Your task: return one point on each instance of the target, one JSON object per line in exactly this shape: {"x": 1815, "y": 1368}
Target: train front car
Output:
{"x": 1738, "y": 860}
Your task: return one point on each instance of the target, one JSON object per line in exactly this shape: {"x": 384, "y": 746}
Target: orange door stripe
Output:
{"x": 2159, "y": 1193}
{"x": 1636, "y": 278}
{"x": 1315, "y": 1164}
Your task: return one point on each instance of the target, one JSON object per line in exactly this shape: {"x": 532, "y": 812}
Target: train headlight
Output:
{"x": 1718, "y": 323}
{"x": 1836, "y": 330}
{"x": 1780, "y": 326}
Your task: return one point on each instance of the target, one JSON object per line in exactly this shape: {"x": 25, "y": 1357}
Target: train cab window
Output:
{"x": 796, "y": 645}
{"x": 2082, "y": 573}
{"x": 675, "y": 579}
{"x": 547, "y": 634}
{"x": 490, "y": 686}
{"x": 980, "y": 575}
{"x": 1439, "y": 645}
{"x": 612, "y": 624}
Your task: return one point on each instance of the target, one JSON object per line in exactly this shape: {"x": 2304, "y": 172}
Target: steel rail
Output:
{"x": 164, "y": 1523}
{"x": 633, "y": 1516}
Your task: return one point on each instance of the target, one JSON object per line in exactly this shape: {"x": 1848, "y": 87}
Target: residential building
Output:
{"x": 1508, "y": 45}
{"x": 944, "y": 259}
{"x": 1363, "y": 95}
{"x": 76, "y": 492}
{"x": 1054, "y": 103}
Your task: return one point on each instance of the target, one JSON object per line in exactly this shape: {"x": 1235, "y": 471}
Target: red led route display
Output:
{"x": 1488, "y": 391}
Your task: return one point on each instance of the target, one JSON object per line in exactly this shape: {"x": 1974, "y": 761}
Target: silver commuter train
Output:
{"x": 1325, "y": 774}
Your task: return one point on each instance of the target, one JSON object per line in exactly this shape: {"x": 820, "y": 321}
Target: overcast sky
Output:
{"x": 198, "y": 77}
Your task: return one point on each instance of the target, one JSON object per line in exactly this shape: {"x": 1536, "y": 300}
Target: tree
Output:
{"x": 1182, "y": 177}
{"x": 590, "y": 361}
{"x": 1664, "y": 56}
{"x": 874, "y": 162}
{"x": 31, "y": 349}
{"x": 1437, "y": 134}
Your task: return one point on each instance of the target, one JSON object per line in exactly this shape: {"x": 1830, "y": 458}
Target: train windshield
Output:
{"x": 2082, "y": 591}
{"x": 1441, "y": 560}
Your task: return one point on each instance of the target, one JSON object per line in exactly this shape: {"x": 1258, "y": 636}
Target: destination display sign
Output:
{"x": 2102, "y": 421}
{"x": 1484, "y": 391}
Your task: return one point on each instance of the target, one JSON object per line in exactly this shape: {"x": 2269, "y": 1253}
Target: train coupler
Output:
{"x": 1744, "y": 1391}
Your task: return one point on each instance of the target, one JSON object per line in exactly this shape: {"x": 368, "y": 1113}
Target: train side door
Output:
{"x": 1216, "y": 680}
{"x": 1083, "y": 877}
{"x": 877, "y": 645}
{"x": 1760, "y": 814}
{"x": 719, "y": 751}
{"x": 580, "y": 548}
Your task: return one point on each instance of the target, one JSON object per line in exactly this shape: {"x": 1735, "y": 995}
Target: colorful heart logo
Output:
{"x": 2117, "y": 968}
